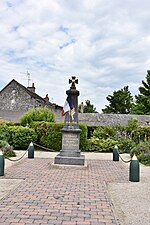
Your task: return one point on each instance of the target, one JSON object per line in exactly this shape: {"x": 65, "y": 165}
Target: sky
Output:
{"x": 105, "y": 44}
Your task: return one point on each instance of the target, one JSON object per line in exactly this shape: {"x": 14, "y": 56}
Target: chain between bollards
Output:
{"x": 116, "y": 155}
{"x": 30, "y": 151}
{"x": 47, "y": 149}
{"x": 15, "y": 160}
{"x": 134, "y": 165}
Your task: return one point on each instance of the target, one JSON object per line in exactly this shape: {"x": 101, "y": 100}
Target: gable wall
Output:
{"x": 14, "y": 97}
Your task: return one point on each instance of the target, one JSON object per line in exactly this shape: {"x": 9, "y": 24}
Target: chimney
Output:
{"x": 47, "y": 98}
{"x": 32, "y": 89}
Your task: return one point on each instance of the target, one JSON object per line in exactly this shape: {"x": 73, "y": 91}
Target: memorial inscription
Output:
{"x": 70, "y": 141}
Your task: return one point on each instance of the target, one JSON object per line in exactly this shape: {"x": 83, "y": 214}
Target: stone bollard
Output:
{"x": 134, "y": 169}
{"x": 2, "y": 164}
{"x": 115, "y": 153}
{"x": 31, "y": 151}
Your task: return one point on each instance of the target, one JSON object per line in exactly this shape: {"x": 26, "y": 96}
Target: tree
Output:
{"x": 121, "y": 102}
{"x": 37, "y": 114}
{"x": 87, "y": 108}
{"x": 142, "y": 100}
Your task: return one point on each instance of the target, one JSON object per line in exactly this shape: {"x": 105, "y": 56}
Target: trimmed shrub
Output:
{"x": 20, "y": 137}
{"x": 51, "y": 135}
{"x": 37, "y": 114}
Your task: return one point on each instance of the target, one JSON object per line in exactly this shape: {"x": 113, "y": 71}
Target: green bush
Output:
{"x": 127, "y": 136}
{"x": 39, "y": 127}
{"x": 142, "y": 133}
{"x": 106, "y": 137}
{"x": 101, "y": 145}
{"x": 37, "y": 114}
{"x": 104, "y": 132}
{"x": 51, "y": 135}
{"x": 144, "y": 159}
{"x": 141, "y": 148}
{"x": 20, "y": 137}
{"x": 126, "y": 145}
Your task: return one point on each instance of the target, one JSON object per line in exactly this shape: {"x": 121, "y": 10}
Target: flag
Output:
{"x": 68, "y": 107}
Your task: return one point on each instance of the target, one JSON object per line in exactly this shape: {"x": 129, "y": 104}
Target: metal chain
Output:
{"x": 52, "y": 150}
{"x": 125, "y": 161}
{"x": 15, "y": 160}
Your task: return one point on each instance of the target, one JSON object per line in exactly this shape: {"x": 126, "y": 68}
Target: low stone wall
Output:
{"x": 11, "y": 115}
{"x": 97, "y": 119}
{"x": 90, "y": 119}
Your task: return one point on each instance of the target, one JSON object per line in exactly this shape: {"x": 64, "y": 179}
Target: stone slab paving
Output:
{"x": 61, "y": 195}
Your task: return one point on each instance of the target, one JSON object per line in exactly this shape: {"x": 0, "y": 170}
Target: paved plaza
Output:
{"x": 42, "y": 193}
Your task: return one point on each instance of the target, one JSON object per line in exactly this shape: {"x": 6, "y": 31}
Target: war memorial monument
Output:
{"x": 70, "y": 153}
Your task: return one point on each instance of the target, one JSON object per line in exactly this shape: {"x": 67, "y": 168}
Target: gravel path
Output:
{"x": 132, "y": 200}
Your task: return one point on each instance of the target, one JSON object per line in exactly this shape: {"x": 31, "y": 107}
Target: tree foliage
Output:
{"x": 121, "y": 102}
{"x": 87, "y": 108}
{"x": 142, "y": 105}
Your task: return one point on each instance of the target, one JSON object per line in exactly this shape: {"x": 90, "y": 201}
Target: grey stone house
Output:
{"x": 15, "y": 100}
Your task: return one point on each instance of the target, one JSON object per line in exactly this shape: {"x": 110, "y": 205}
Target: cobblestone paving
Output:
{"x": 61, "y": 195}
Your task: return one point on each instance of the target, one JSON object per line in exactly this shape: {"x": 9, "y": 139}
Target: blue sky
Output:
{"x": 104, "y": 43}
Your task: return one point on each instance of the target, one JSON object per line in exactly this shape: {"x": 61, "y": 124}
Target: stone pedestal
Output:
{"x": 70, "y": 153}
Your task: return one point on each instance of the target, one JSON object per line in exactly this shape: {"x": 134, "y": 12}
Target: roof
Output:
{"x": 32, "y": 94}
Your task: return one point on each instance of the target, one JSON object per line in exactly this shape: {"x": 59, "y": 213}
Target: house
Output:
{"x": 16, "y": 99}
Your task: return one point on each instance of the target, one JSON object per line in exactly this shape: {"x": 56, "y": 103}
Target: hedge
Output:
{"x": 50, "y": 135}
{"x": 17, "y": 136}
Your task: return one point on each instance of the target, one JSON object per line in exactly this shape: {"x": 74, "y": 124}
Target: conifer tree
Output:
{"x": 142, "y": 101}
{"x": 121, "y": 102}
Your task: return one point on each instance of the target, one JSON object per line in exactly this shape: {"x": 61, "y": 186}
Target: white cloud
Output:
{"x": 106, "y": 44}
